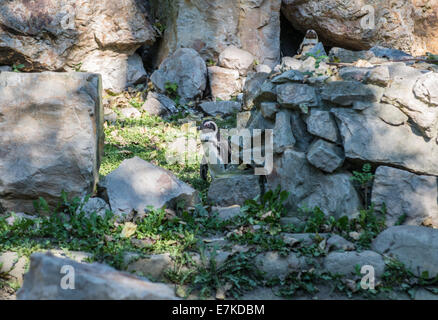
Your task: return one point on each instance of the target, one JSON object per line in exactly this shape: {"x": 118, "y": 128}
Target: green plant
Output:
{"x": 17, "y": 67}
{"x": 364, "y": 179}
{"x": 318, "y": 58}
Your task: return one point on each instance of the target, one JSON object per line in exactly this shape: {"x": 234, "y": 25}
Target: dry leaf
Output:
{"x": 129, "y": 229}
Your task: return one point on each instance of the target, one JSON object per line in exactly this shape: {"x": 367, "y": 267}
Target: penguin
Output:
{"x": 213, "y": 162}
{"x": 310, "y": 41}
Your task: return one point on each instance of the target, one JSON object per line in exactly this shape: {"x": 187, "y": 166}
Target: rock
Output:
{"x": 266, "y": 93}
{"x": 392, "y": 145}
{"x": 415, "y": 247}
{"x": 153, "y": 267}
{"x": 157, "y": 104}
{"x": 426, "y": 89}
{"x": 346, "y": 93}
{"x": 224, "y": 108}
{"x": 251, "y": 88}
{"x": 186, "y": 69}
{"x": 348, "y": 56}
{"x": 5, "y": 69}
{"x": 224, "y": 83}
{"x": 289, "y": 76}
{"x": 13, "y": 266}
{"x": 379, "y": 76}
{"x": 336, "y": 242}
{"x": 102, "y": 36}
{"x": 316, "y": 51}
{"x": 354, "y": 73}
{"x": 95, "y": 205}
{"x": 289, "y": 63}
{"x": 275, "y": 266}
{"x": 119, "y": 71}
{"x": 78, "y": 256}
{"x": 234, "y": 190}
{"x": 325, "y": 156}
{"x": 424, "y": 294}
{"x": 243, "y": 119}
{"x": 226, "y": 213}
{"x": 18, "y": 216}
{"x": 283, "y": 136}
{"x": 406, "y": 196}
{"x": 308, "y": 66}
{"x": 52, "y": 137}
{"x": 391, "y": 115}
{"x": 295, "y": 96}
{"x": 237, "y": 59}
{"x": 213, "y": 25}
{"x": 263, "y": 68}
{"x": 130, "y": 113}
{"x": 296, "y": 222}
{"x": 322, "y": 124}
{"x": 345, "y": 262}
{"x": 91, "y": 282}
{"x": 309, "y": 187}
{"x": 398, "y": 25}
{"x": 403, "y": 92}
{"x": 269, "y": 109}
{"x": 389, "y": 53}
{"x": 109, "y": 115}
{"x": 305, "y": 239}
{"x": 137, "y": 184}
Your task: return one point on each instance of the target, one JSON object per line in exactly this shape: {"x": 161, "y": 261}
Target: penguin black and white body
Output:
{"x": 213, "y": 161}
{"x": 309, "y": 42}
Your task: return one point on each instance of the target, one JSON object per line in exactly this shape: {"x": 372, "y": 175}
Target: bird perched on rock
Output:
{"x": 309, "y": 42}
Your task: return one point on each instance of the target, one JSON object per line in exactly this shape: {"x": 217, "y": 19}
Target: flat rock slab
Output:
{"x": 225, "y": 108}
{"x": 137, "y": 184}
{"x": 346, "y": 262}
{"x": 51, "y": 137}
{"x": 91, "y": 282}
{"x": 416, "y": 247}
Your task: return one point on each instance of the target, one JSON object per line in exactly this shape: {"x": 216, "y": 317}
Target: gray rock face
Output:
{"x": 346, "y": 93}
{"x": 309, "y": 187}
{"x": 237, "y": 59}
{"x": 226, "y": 213}
{"x": 137, "y": 184}
{"x": 322, "y": 124}
{"x": 336, "y": 242}
{"x": 224, "y": 83}
{"x": 345, "y": 262}
{"x": 234, "y": 190}
{"x": 406, "y": 194}
{"x": 224, "y": 108}
{"x": 294, "y": 95}
{"x": 95, "y": 205}
{"x": 153, "y": 267}
{"x": 251, "y": 88}
{"x": 391, "y": 115}
{"x": 130, "y": 113}
{"x": 354, "y": 73}
{"x": 275, "y": 266}
{"x": 410, "y": 91}
{"x": 210, "y": 26}
{"x": 325, "y": 156}
{"x": 52, "y": 137}
{"x": 283, "y": 136}
{"x": 13, "y": 266}
{"x": 366, "y": 137}
{"x": 186, "y": 69}
{"x": 289, "y": 76}
{"x": 102, "y": 35}
{"x": 415, "y": 247}
{"x": 349, "y": 56}
{"x": 269, "y": 109}
{"x": 157, "y": 104}
{"x": 379, "y": 76}
{"x": 92, "y": 282}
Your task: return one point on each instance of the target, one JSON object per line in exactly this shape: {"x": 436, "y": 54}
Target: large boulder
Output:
{"x": 61, "y": 35}
{"x": 309, "y": 187}
{"x": 237, "y": 59}
{"x": 91, "y": 282}
{"x": 345, "y": 263}
{"x": 410, "y": 26}
{"x": 224, "y": 83}
{"x": 51, "y": 128}
{"x": 210, "y": 26}
{"x": 366, "y": 137}
{"x": 416, "y": 247}
{"x": 408, "y": 198}
{"x": 234, "y": 190}
{"x": 187, "y": 70}
{"x": 137, "y": 184}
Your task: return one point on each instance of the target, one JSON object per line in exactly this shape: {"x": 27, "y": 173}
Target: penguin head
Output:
{"x": 209, "y": 130}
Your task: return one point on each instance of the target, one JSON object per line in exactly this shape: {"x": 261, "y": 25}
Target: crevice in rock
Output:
{"x": 290, "y": 38}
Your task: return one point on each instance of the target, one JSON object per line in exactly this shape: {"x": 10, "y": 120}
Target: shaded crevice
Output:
{"x": 290, "y": 38}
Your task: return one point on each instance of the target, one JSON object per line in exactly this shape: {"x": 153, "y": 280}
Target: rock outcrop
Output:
{"x": 210, "y": 26}
{"x": 51, "y": 137}
{"x": 411, "y": 26}
{"x": 94, "y": 36}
